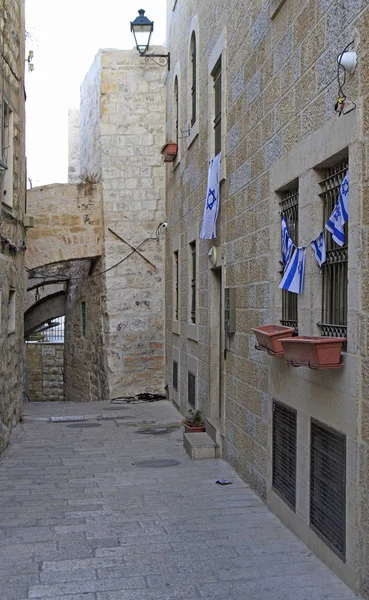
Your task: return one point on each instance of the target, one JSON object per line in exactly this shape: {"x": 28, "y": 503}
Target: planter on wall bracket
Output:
{"x": 315, "y": 352}
{"x": 269, "y": 336}
{"x": 169, "y": 151}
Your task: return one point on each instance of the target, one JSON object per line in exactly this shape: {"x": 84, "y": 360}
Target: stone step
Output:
{"x": 199, "y": 446}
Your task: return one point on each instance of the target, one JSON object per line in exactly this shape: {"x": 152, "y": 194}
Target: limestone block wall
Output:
{"x": 279, "y": 88}
{"x": 44, "y": 372}
{"x": 90, "y": 134}
{"x": 12, "y": 266}
{"x": 68, "y": 223}
{"x": 73, "y": 146}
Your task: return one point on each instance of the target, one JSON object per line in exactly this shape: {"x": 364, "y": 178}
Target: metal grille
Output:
{"x": 284, "y": 453}
{"x": 176, "y": 100}
{"x": 290, "y": 208}
{"x": 176, "y": 286}
{"x": 193, "y": 86}
{"x": 56, "y": 333}
{"x": 328, "y": 486}
{"x": 191, "y": 389}
{"x": 83, "y": 318}
{"x": 193, "y": 282}
{"x": 334, "y": 270}
{"x": 175, "y": 375}
{"x": 217, "y": 76}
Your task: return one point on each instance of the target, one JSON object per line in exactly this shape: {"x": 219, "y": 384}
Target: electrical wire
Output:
{"x": 341, "y": 100}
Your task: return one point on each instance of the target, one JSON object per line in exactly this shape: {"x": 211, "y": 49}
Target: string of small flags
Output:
{"x": 293, "y": 257}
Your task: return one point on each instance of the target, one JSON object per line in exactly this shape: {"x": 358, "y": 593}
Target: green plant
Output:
{"x": 195, "y": 418}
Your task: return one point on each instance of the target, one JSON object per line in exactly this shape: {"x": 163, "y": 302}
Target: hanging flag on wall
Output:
{"x": 318, "y": 245}
{"x": 208, "y": 229}
{"x": 287, "y": 243}
{"x": 293, "y": 278}
{"x": 343, "y": 198}
{"x": 335, "y": 225}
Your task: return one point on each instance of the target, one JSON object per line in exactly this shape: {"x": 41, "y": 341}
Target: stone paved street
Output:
{"x": 82, "y": 520}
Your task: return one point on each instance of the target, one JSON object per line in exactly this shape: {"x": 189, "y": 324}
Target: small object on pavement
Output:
{"x": 224, "y": 482}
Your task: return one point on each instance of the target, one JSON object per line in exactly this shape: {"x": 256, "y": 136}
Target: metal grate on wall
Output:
{"x": 328, "y": 486}
{"x": 284, "y": 453}
{"x": 191, "y": 389}
{"x": 334, "y": 270}
{"x": 289, "y": 205}
{"x": 175, "y": 375}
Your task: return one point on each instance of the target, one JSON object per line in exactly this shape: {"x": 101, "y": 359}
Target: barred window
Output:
{"x": 217, "y": 77}
{"x": 193, "y": 281}
{"x": 176, "y": 285}
{"x": 284, "y": 452}
{"x": 175, "y": 375}
{"x": 193, "y": 78}
{"x": 290, "y": 208}
{"x": 176, "y": 109}
{"x": 191, "y": 389}
{"x": 334, "y": 270}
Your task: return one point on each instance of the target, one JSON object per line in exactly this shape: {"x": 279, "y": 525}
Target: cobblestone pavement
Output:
{"x": 81, "y": 519}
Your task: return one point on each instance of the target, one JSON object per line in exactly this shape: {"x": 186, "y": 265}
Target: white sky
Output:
{"x": 65, "y": 36}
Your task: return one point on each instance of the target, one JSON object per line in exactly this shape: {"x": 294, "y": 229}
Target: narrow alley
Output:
{"x": 100, "y": 502}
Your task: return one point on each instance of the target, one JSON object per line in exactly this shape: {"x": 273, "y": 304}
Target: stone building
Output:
{"x": 96, "y": 235}
{"x": 12, "y": 210}
{"x": 257, "y": 80}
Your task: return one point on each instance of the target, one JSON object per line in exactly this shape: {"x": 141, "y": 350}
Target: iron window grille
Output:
{"x": 176, "y": 285}
{"x": 175, "y": 375}
{"x": 194, "y": 77}
{"x": 193, "y": 281}
{"x": 191, "y": 389}
{"x": 83, "y": 318}
{"x": 290, "y": 207}
{"x": 176, "y": 101}
{"x": 217, "y": 77}
{"x": 284, "y": 453}
{"x": 328, "y": 486}
{"x": 334, "y": 270}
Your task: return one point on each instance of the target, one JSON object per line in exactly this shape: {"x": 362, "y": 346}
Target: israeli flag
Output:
{"x": 287, "y": 243}
{"x": 335, "y": 225}
{"x": 343, "y": 198}
{"x": 293, "y": 278}
{"x": 318, "y": 245}
{"x": 208, "y": 229}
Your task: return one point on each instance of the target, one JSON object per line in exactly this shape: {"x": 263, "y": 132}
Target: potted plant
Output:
{"x": 169, "y": 151}
{"x": 315, "y": 352}
{"x": 269, "y": 336}
{"x": 194, "y": 422}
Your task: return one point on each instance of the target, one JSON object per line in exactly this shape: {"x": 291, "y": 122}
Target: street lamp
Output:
{"x": 142, "y": 29}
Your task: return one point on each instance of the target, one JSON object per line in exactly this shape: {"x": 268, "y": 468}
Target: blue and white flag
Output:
{"x": 335, "y": 225}
{"x": 287, "y": 243}
{"x": 343, "y": 198}
{"x": 293, "y": 278}
{"x": 208, "y": 229}
{"x": 318, "y": 245}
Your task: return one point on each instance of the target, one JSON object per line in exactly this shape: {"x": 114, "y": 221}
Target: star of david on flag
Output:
{"x": 293, "y": 278}
{"x": 287, "y": 243}
{"x": 318, "y": 245}
{"x": 339, "y": 216}
{"x": 211, "y": 208}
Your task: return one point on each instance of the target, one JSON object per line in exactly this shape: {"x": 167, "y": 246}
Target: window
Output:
{"x": 11, "y": 311}
{"x": 328, "y": 486}
{"x": 176, "y": 286}
{"x": 176, "y": 110}
{"x": 193, "y": 282}
{"x": 217, "y": 77}
{"x": 175, "y": 375}
{"x": 8, "y": 151}
{"x": 193, "y": 78}
{"x": 83, "y": 318}
{"x": 290, "y": 208}
{"x": 191, "y": 389}
{"x": 334, "y": 270}
{"x": 284, "y": 453}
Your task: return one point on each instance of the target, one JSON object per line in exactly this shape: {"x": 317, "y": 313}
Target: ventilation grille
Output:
{"x": 191, "y": 389}
{"x": 328, "y": 486}
{"x": 175, "y": 376}
{"x": 284, "y": 453}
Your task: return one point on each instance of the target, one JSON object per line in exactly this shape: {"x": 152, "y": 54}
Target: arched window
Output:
{"x": 176, "y": 109}
{"x": 193, "y": 77}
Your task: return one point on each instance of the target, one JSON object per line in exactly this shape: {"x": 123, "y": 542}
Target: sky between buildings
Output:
{"x": 65, "y": 37}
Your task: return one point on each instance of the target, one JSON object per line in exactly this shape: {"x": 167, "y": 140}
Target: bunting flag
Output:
{"x": 343, "y": 198}
{"x": 287, "y": 243}
{"x": 318, "y": 245}
{"x": 293, "y": 278}
{"x": 211, "y": 208}
{"x": 335, "y": 225}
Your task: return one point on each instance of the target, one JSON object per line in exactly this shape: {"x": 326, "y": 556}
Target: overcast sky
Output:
{"x": 65, "y": 37}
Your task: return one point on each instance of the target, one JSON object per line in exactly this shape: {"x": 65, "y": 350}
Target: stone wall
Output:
{"x": 12, "y": 265}
{"x": 73, "y": 146}
{"x": 279, "y": 88}
{"x": 44, "y": 372}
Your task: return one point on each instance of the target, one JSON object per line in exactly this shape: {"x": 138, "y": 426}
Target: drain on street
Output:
{"x": 84, "y": 425}
{"x": 156, "y": 431}
{"x": 158, "y": 463}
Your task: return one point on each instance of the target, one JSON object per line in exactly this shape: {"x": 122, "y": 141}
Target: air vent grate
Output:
{"x": 284, "y": 453}
{"x": 175, "y": 375}
{"x": 328, "y": 486}
{"x": 191, "y": 389}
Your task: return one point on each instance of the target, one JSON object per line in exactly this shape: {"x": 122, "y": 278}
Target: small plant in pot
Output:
{"x": 194, "y": 421}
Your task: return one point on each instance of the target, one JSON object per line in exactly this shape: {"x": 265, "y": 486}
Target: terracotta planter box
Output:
{"x": 313, "y": 351}
{"x": 190, "y": 429}
{"x": 269, "y": 337}
{"x": 169, "y": 151}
